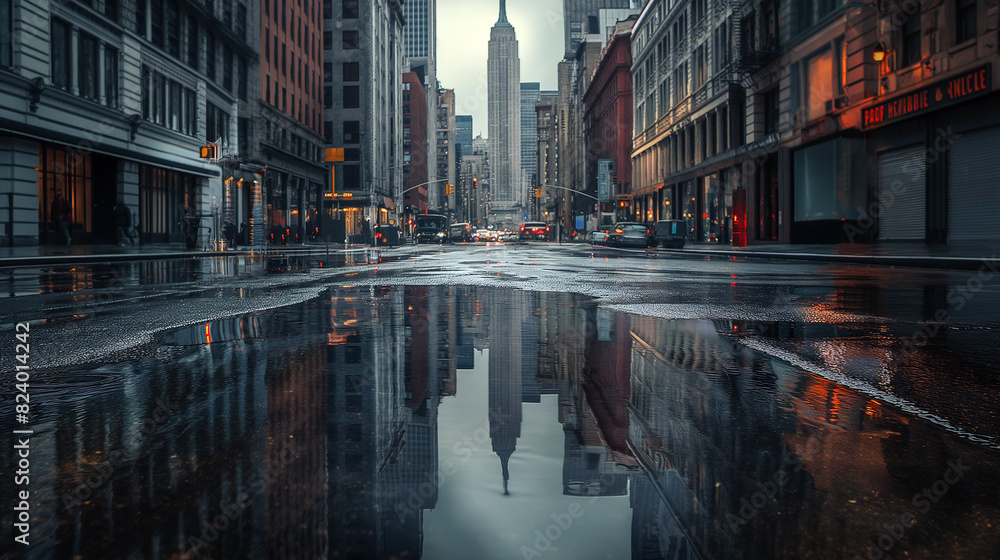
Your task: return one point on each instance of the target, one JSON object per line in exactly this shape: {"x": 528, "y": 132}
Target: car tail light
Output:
{"x": 619, "y": 230}
{"x": 546, "y": 229}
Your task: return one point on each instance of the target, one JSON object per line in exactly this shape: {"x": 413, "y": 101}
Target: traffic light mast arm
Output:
{"x": 422, "y": 184}
{"x": 570, "y": 190}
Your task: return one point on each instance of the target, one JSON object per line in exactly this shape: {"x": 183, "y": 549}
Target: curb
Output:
{"x": 47, "y": 260}
{"x": 915, "y": 261}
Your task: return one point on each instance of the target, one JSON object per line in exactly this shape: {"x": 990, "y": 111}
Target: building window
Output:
{"x": 701, "y": 66}
{"x": 169, "y": 103}
{"x": 243, "y": 78}
{"x": 69, "y": 172}
{"x": 156, "y": 22}
{"x": 805, "y": 14}
{"x": 771, "y": 111}
{"x": 352, "y": 132}
{"x": 328, "y": 97}
{"x": 62, "y": 71}
{"x": 192, "y": 41}
{"x": 267, "y": 48}
{"x": 327, "y": 71}
{"x": 210, "y": 55}
{"x": 162, "y": 196}
{"x": 110, "y": 76}
{"x": 227, "y": 68}
{"x": 352, "y": 177}
{"x": 216, "y": 124}
{"x": 699, "y": 10}
{"x": 173, "y": 29}
{"x": 965, "y": 20}
{"x": 327, "y": 9}
{"x": 352, "y": 97}
{"x": 328, "y": 132}
{"x": 350, "y": 40}
{"x": 328, "y": 40}
{"x": 909, "y": 54}
{"x": 140, "y": 18}
{"x": 350, "y": 9}
{"x": 722, "y": 46}
{"x": 819, "y": 83}
{"x": 352, "y": 71}
{"x": 87, "y": 66}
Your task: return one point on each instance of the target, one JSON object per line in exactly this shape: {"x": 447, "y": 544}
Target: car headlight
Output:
{"x": 440, "y": 235}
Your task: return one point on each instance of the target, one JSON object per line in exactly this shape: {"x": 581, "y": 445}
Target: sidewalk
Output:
{"x": 959, "y": 256}
{"x": 44, "y": 255}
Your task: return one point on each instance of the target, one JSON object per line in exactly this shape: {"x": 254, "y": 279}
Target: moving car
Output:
{"x": 600, "y": 236}
{"x": 430, "y": 228}
{"x": 629, "y": 234}
{"x": 460, "y": 232}
{"x": 534, "y": 230}
{"x": 670, "y": 233}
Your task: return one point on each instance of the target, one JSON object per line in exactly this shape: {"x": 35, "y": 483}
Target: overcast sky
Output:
{"x": 463, "y": 28}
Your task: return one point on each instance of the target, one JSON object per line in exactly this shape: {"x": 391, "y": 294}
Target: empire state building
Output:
{"x": 504, "y": 95}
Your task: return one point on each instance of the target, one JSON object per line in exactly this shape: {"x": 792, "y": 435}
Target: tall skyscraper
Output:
{"x": 504, "y": 96}
{"x": 581, "y": 17}
{"x": 530, "y": 92}
{"x": 463, "y": 133}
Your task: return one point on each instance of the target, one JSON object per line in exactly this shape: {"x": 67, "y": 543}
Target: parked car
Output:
{"x": 670, "y": 233}
{"x": 534, "y": 230}
{"x": 629, "y": 234}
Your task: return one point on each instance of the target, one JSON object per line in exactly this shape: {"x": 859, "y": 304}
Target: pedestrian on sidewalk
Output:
{"x": 61, "y": 212}
{"x": 123, "y": 222}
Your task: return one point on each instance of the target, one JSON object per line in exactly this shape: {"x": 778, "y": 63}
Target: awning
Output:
{"x": 647, "y": 190}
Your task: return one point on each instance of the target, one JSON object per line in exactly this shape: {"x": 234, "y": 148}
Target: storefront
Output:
{"x": 828, "y": 189}
{"x": 934, "y": 151}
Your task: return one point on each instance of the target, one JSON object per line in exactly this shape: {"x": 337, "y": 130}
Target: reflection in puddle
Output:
{"x": 463, "y": 423}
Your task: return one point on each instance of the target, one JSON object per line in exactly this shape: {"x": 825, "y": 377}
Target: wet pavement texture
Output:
{"x": 509, "y": 402}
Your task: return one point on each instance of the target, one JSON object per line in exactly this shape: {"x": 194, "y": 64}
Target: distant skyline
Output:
{"x": 463, "y": 36}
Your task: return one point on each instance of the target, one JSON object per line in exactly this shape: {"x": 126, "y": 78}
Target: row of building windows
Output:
{"x": 179, "y": 34}
{"x": 304, "y": 79}
{"x": 351, "y": 40}
{"x": 349, "y": 9}
{"x": 168, "y": 103}
{"x": 95, "y": 64}
{"x": 300, "y": 111}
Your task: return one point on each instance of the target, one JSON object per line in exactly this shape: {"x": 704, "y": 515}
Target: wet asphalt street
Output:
{"x": 506, "y": 401}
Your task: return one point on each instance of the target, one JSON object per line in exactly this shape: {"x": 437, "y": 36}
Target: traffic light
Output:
{"x": 449, "y": 188}
{"x": 475, "y": 183}
{"x": 210, "y": 151}
{"x": 538, "y": 193}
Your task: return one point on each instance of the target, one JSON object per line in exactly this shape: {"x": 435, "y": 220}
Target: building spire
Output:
{"x": 503, "y": 13}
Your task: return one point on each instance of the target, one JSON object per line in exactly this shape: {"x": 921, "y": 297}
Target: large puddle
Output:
{"x": 463, "y": 422}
